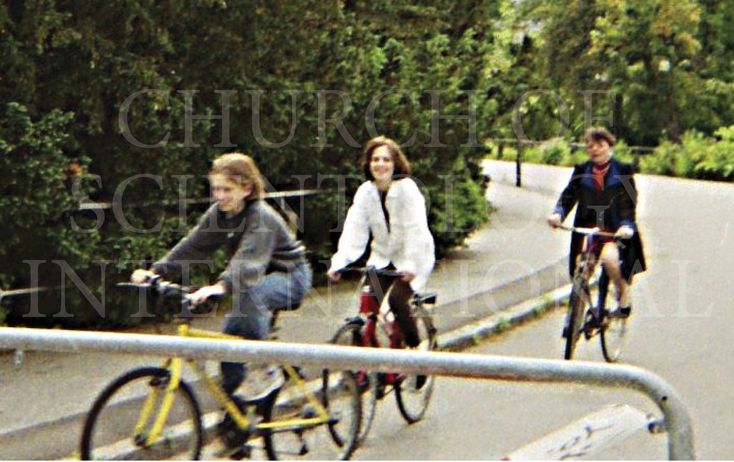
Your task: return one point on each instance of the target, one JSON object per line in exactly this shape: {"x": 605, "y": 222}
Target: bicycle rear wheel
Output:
{"x": 351, "y": 334}
{"x": 414, "y": 392}
{"x": 574, "y": 318}
{"x": 118, "y": 424}
{"x": 332, "y": 440}
{"x": 612, "y": 335}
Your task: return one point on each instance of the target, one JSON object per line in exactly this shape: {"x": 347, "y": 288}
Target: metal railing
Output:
{"x": 277, "y": 196}
{"x": 21, "y": 292}
{"x": 676, "y": 420}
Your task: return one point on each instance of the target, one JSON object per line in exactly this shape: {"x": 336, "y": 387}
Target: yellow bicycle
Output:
{"x": 153, "y": 413}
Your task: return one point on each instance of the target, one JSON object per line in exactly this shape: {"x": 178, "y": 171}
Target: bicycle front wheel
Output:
{"x": 123, "y": 415}
{"x": 350, "y": 334}
{"x": 612, "y": 335}
{"x": 334, "y": 439}
{"x": 414, "y": 392}
{"x": 574, "y": 318}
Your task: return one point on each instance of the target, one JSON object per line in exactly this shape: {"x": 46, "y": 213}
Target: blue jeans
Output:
{"x": 252, "y": 311}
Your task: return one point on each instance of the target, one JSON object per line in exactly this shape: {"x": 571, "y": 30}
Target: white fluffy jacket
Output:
{"x": 408, "y": 244}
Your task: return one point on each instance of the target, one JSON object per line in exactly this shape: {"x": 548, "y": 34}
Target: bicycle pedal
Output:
{"x": 242, "y": 453}
{"x": 363, "y": 382}
{"x": 591, "y": 326}
{"x": 308, "y": 412}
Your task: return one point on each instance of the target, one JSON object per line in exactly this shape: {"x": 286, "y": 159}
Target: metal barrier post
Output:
{"x": 518, "y": 165}
{"x": 677, "y": 422}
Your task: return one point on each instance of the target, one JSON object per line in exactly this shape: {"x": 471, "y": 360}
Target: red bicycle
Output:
{"x": 584, "y": 317}
{"x": 376, "y": 327}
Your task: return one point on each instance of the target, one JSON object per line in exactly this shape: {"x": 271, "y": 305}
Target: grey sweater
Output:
{"x": 257, "y": 239}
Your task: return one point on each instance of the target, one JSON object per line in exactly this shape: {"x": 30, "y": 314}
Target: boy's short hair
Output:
{"x": 599, "y": 134}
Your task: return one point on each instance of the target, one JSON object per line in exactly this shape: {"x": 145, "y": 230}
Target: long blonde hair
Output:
{"x": 241, "y": 169}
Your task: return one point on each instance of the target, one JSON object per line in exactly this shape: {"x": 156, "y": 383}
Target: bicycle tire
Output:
{"x": 333, "y": 440}
{"x": 574, "y": 317}
{"x": 413, "y": 392}
{"x": 121, "y": 401}
{"x": 612, "y": 335}
{"x": 367, "y": 382}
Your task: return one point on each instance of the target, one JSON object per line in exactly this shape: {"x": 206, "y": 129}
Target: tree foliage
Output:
{"x": 128, "y": 103}
{"x": 658, "y": 68}
{"x": 135, "y": 94}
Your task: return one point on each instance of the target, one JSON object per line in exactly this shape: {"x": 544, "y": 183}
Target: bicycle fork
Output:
{"x": 174, "y": 366}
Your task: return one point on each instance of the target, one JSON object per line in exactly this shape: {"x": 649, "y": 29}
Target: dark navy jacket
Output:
{"x": 608, "y": 209}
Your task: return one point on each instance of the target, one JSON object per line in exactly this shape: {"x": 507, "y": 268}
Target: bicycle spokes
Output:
{"x": 613, "y": 334}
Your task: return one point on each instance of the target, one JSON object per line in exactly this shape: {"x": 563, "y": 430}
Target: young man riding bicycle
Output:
{"x": 604, "y": 191}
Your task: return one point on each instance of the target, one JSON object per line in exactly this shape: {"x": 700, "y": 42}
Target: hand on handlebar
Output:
{"x": 141, "y": 276}
{"x": 335, "y": 276}
{"x": 555, "y": 220}
{"x": 407, "y": 276}
{"x": 205, "y": 292}
{"x": 624, "y": 232}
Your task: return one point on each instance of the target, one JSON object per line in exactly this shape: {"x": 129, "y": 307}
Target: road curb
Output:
{"x": 510, "y": 318}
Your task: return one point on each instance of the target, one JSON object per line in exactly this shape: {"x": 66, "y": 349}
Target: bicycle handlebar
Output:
{"x": 166, "y": 288}
{"x": 372, "y": 270}
{"x": 586, "y": 231}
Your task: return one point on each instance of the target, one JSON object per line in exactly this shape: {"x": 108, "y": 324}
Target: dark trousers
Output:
{"x": 399, "y": 301}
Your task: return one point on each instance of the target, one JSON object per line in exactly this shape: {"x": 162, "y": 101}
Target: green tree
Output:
{"x": 653, "y": 57}
{"x": 122, "y": 80}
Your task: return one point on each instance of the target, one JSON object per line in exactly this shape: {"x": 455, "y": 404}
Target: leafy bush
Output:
{"x": 554, "y": 151}
{"x": 70, "y": 69}
{"x": 662, "y": 160}
{"x": 696, "y": 156}
{"x": 38, "y": 181}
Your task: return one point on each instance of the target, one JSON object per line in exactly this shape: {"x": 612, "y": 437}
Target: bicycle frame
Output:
{"x": 584, "y": 315}
{"x": 243, "y": 421}
{"x": 369, "y": 306}
{"x": 587, "y": 264}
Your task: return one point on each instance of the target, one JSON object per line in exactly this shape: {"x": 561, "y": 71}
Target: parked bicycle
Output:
{"x": 152, "y": 412}
{"x": 375, "y": 327}
{"x": 585, "y": 317}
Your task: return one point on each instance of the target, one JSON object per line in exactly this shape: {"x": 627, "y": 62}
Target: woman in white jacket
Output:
{"x": 390, "y": 207}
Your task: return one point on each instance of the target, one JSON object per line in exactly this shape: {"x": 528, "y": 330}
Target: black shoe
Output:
{"x": 381, "y": 385}
{"x": 625, "y": 311}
